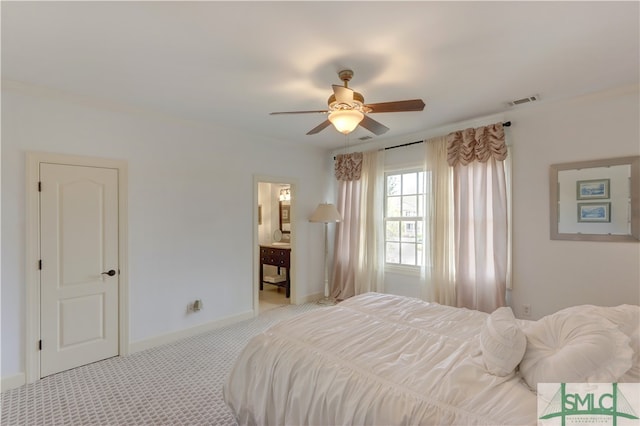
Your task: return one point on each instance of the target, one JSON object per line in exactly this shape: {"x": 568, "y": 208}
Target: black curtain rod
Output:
{"x": 505, "y": 124}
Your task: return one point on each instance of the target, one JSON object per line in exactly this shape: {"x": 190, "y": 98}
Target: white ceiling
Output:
{"x": 234, "y": 62}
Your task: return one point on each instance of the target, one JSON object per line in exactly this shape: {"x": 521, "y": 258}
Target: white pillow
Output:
{"x": 575, "y": 347}
{"x": 627, "y": 318}
{"x": 502, "y": 342}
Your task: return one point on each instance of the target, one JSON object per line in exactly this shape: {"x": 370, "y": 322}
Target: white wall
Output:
{"x": 190, "y": 209}
{"x": 549, "y": 274}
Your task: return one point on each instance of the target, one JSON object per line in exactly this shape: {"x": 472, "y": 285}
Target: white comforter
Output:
{"x": 375, "y": 359}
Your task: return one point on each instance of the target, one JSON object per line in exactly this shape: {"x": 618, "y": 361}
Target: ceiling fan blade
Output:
{"x": 343, "y": 94}
{"x": 319, "y": 127}
{"x": 373, "y": 126}
{"x": 397, "y": 106}
{"x": 323, "y": 111}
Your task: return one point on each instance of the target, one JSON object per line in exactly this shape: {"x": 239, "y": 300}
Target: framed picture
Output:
{"x": 285, "y": 217}
{"x": 259, "y": 214}
{"x": 594, "y": 212}
{"x": 284, "y": 213}
{"x": 592, "y": 189}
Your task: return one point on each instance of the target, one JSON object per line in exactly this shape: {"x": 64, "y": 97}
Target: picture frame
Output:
{"x": 285, "y": 217}
{"x": 592, "y": 189}
{"x": 284, "y": 211}
{"x": 259, "y": 214}
{"x": 594, "y": 212}
{"x": 624, "y": 212}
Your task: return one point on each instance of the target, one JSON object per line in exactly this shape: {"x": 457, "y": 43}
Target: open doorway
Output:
{"x": 274, "y": 237}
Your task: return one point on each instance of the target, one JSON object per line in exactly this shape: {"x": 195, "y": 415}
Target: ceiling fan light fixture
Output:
{"x": 347, "y": 109}
{"x": 345, "y": 120}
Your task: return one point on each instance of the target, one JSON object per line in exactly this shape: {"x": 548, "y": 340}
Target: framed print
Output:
{"x": 594, "y": 212}
{"x": 285, "y": 217}
{"x": 592, "y": 189}
{"x": 284, "y": 212}
{"x": 615, "y": 218}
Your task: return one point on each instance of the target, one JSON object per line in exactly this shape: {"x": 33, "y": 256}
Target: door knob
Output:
{"x": 110, "y": 273}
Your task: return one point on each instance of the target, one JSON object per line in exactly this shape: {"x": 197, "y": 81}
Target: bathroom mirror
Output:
{"x": 595, "y": 200}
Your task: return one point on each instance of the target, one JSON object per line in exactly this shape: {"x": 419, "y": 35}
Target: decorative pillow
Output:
{"x": 574, "y": 347}
{"x": 630, "y": 326}
{"x": 502, "y": 342}
{"x": 627, "y": 318}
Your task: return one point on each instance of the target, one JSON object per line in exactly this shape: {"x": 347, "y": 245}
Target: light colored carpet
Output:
{"x": 175, "y": 384}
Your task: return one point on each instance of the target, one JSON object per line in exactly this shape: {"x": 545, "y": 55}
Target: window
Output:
{"x": 404, "y": 205}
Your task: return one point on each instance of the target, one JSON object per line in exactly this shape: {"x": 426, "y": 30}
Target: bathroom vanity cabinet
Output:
{"x": 279, "y": 257}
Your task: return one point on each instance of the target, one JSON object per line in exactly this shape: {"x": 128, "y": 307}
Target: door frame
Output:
{"x": 32, "y": 255}
{"x": 257, "y": 179}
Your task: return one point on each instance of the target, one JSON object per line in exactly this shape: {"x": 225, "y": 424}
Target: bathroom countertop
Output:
{"x": 278, "y": 245}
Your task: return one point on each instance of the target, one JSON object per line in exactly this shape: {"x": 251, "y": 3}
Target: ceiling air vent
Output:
{"x": 365, "y": 138}
{"x": 524, "y": 100}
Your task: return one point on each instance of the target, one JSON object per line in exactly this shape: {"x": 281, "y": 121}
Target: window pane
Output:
{"x": 392, "y": 254}
{"x": 409, "y": 183}
{"x": 393, "y": 206}
{"x": 393, "y": 185}
{"x": 408, "y": 256}
{"x": 408, "y": 231}
{"x": 404, "y": 239}
{"x": 393, "y": 230}
{"x": 410, "y": 206}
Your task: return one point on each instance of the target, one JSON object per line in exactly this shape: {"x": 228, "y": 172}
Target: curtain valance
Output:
{"x": 348, "y": 166}
{"x": 479, "y": 144}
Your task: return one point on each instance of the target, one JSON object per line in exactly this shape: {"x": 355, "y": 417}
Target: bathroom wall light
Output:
{"x": 285, "y": 194}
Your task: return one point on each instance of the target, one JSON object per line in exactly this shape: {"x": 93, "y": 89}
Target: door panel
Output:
{"x": 91, "y": 328}
{"x": 79, "y": 241}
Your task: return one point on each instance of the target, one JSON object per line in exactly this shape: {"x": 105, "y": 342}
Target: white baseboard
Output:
{"x": 13, "y": 382}
{"x": 311, "y": 298}
{"x": 17, "y": 380}
{"x": 192, "y": 331}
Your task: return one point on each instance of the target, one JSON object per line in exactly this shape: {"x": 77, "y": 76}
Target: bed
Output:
{"x": 382, "y": 359}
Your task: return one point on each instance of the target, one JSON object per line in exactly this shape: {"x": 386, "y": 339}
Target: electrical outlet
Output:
{"x": 197, "y": 305}
{"x": 194, "y": 306}
{"x": 526, "y": 310}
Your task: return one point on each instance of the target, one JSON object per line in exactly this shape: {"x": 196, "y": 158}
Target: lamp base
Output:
{"x": 327, "y": 301}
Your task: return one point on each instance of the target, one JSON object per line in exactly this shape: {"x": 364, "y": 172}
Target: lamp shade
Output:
{"x": 345, "y": 120}
{"x": 325, "y": 213}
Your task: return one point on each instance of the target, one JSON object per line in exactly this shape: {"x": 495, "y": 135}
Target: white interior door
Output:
{"x": 79, "y": 276}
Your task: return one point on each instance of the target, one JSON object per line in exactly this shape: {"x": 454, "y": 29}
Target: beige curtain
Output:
{"x": 370, "y": 272}
{"x": 479, "y": 144}
{"x": 480, "y": 216}
{"x": 357, "y": 267}
{"x": 346, "y": 242}
{"x": 348, "y": 167}
{"x": 439, "y": 264}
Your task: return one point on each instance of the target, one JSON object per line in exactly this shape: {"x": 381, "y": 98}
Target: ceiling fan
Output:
{"x": 347, "y": 109}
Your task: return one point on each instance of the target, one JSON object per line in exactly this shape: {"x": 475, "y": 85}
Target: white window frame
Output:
{"x": 399, "y": 267}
